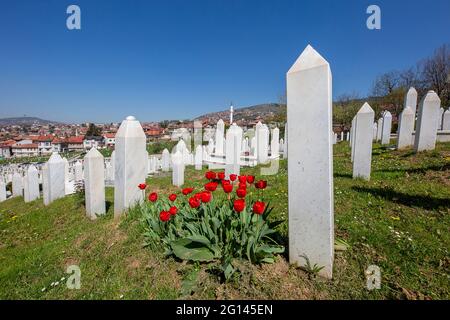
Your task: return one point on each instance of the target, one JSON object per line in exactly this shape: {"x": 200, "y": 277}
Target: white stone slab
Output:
{"x": 94, "y": 183}
{"x": 310, "y": 165}
{"x": 405, "y": 128}
{"x": 31, "y": 184}
{"x": 177, "y": 169}
{"x": 446, "y": 120}
{"x": 17, "y": 185}
{"x": 363, "y": 142}
{"x": 130, "y": 165}
{"x": 387, "y": 126}
{"x": 54, "y": 179}
{"x": 426, "y": 127}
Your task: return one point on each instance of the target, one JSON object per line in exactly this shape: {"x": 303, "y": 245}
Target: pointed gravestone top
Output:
{"x": 308, "y": 59}
{"x": 431, "y": 96}
{"x": 412, "y": 90}
{"x": 387, "y": 114}
{"x": 130, "y": 128}
{"x": 55, "y": 157}
{"x": 31, "y": 169}
{"x": 366, "y": 108}
{"x": 165, "y": 151}
{"x": 408, "y": 110}
{"x": 93, "y": 153}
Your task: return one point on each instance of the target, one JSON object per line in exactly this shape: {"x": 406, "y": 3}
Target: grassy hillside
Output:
{"x": 399, "y": 221}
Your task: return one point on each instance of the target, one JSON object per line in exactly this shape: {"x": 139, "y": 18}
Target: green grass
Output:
{"x": 399, "y": 221}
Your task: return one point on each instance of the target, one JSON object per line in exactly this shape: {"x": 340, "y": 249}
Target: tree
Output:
{"x": 93, "y": 130}
{"x": 435, "y": 72}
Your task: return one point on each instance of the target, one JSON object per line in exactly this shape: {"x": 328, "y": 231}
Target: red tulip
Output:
{"x": 173, "y": 210}
{"x": 173, "y": 197}
{"x": 198, "y": 196}
{"x": 225, "y": 182}
{"x": 211, "y": 186}
{"x": 261, "y": 184}
{"x": 239, "y": 205}
{"x": 242, "y": 179}
{"x": 242, "y": 186}
{"x": 258, "y": 207}
{"x": 250, "y": 179}
{"x": 241, "y": 193}
{"x": 186, "y": 191}
{"x": 227, "y": 188}
{"x": 153, "y": 196}
{"x": 194, "y": 203}
{"x": 164, "y": 216}
{"x": 233, "y": 177}
{"x": 221, "y": 175}
{"x": 142, "y": 186}
{"x": 206, "y": 196}
{"x": 210, "y": 175}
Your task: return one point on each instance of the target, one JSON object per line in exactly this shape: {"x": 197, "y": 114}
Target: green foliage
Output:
{"x": 213, "y": 233}
{"x": 159, "y": 146}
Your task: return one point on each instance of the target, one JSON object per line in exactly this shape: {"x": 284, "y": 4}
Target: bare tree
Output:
{"x": 436, "y": 73}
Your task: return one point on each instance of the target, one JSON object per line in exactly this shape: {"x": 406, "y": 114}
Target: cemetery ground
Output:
{"x": 399, "y": 221}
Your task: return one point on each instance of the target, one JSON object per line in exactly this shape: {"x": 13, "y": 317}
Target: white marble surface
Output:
{"x": 379, "y": 128}
{"x": 233, "y": 150}
{"x": 262, "y": 143}
{"x": 387, "y": 126}
{"x": 219, "y": 138}
{"x": 275, "y": 143}
{"x": 78, "y": 167}
{"x": 426, "y": 127}
{"x": 31, "y": 184}
{"x": 374, "y": 131}
{"x": 310, "y": 165}
{"x": 405, "y": 128}
{"x": 411, "y": 101}
{"x": 2, "y": 190}
{"x": 177, "y": 169}
{"x": 94, "y": 183}
{"x": 446, "y": 120}
{"x": 129, "y": 164}
{"x": 363, "y": 142}
{"x": 17, "y": 185}
{"x": 198, "y": 157}
{"x": 54, "y": 179}
{"x": 165, "y": 164}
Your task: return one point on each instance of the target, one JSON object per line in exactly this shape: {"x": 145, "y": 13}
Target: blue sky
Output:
{"x": 179, "y": 59}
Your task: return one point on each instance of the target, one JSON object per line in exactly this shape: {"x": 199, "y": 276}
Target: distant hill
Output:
{"x": 262, "y": 111}
{"x": 25, "y": 121}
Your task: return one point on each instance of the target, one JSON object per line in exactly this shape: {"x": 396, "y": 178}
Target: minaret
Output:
{"x": 231, "y": 114}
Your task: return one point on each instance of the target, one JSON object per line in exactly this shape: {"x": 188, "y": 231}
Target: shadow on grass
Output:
{"x": 418, "y": 170}
{"x": 343, "y": 175}
{"x": 425, "y": 202}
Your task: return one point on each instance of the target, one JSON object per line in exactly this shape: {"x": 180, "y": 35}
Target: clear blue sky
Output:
{"x": 179, "y": 59}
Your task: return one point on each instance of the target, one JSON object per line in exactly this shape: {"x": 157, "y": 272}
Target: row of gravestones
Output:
{"x": 310, "y": 165}
{"x": 430, "y": 119}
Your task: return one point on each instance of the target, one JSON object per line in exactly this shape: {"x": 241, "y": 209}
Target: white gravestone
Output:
{"x": 165, "y": 161}
{"x": 198, "y": 157}
{"x": 17, "y": 185}
{"x": 446, "y": 120}
{"x": 2, "y": 190}
{"x": 113, "y": 167}
{"x": 386, "y": 131}
{"x": 94, "y": 183}
{"x": 411, "y": 101}
{"x": 130, "y": 165}
{"x": 31, "y": 184}
{"x": 177, "y": 169}
{"x": 220, "y": 132}
{"x": 310, "y": 165}
{"x": 405, "y": 128}
{"x": 441, "y": 115}
{"x": 374, "y": 133}
{"x": 233, "y": 150}
{"x": 363, "y": 142}
{"x": 275, "y": 143}
{"x": 262, "y": 141}
{"x": 426, "y": 127}
{"x": 78, "y": 171}
{"x": 54, "y": 179}
{"x": 379, "y": 128}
